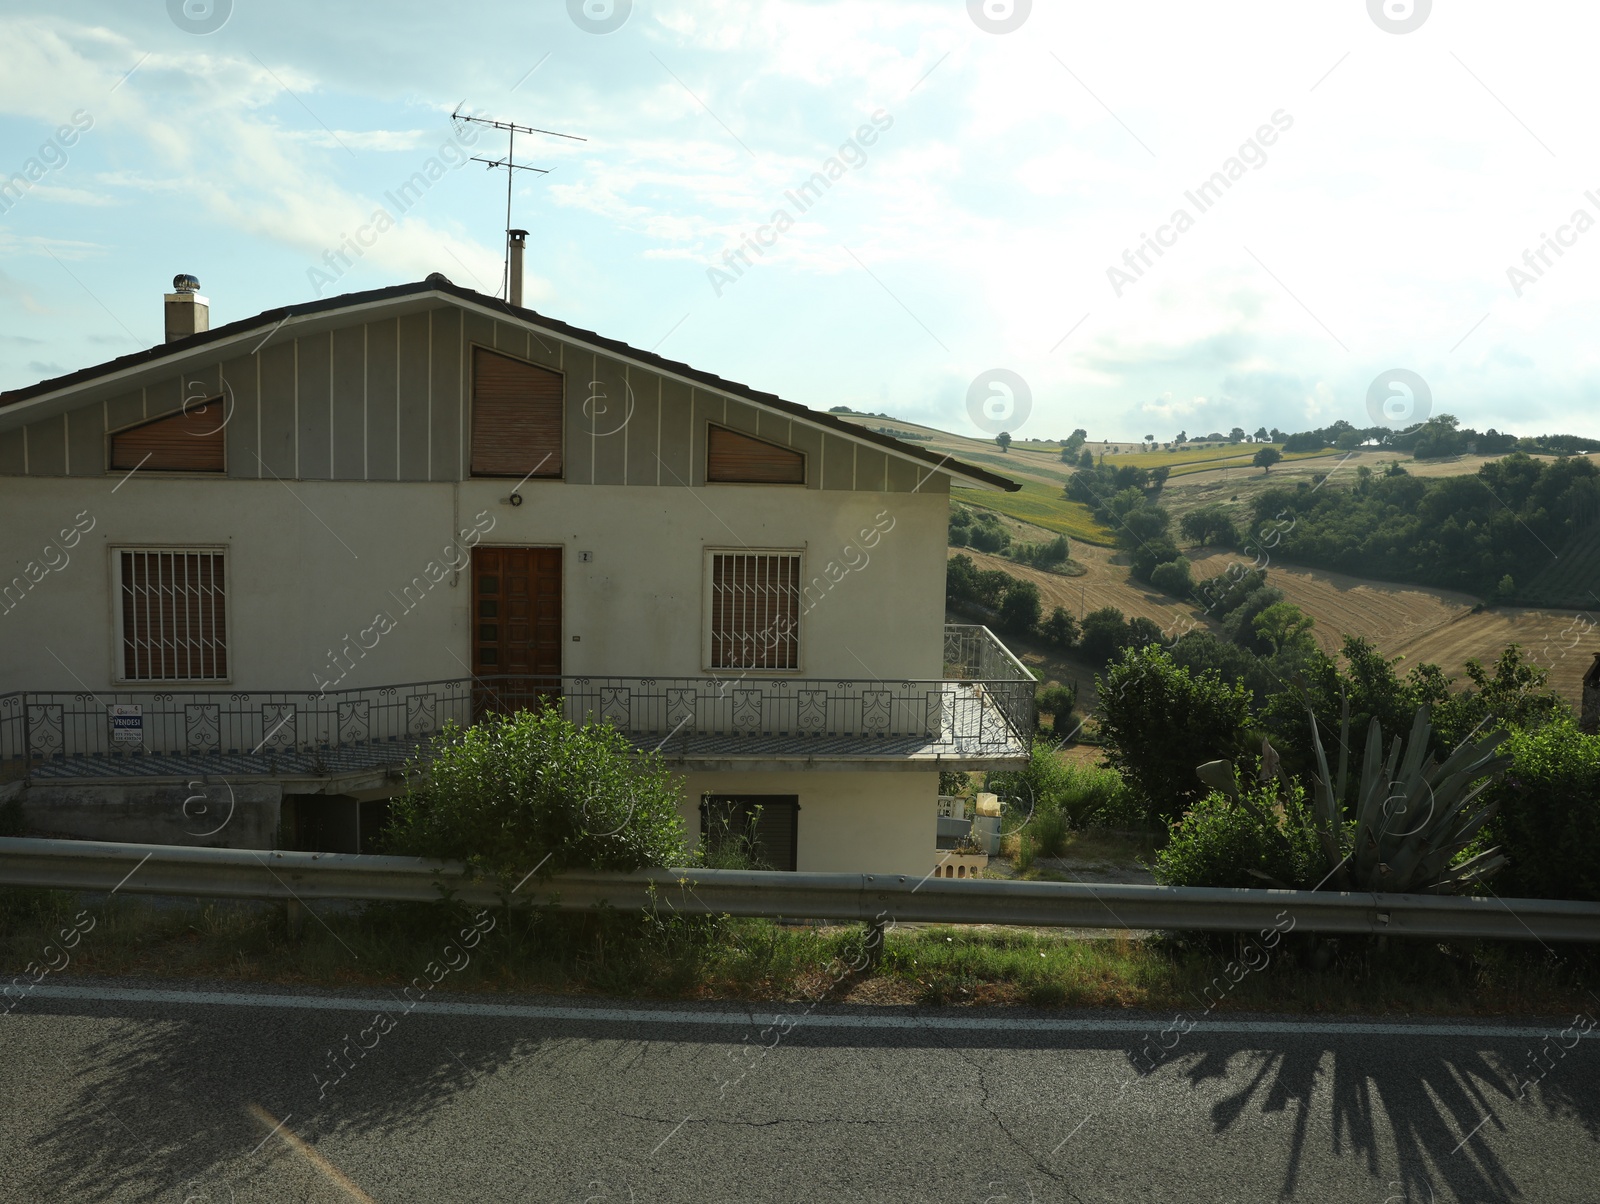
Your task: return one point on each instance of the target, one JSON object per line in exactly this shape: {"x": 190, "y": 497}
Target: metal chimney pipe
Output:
{"x": 519, "y": 241}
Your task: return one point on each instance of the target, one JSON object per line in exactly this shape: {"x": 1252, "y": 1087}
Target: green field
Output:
{"x": 1043, "y": 506}
{"x": 1037, "y": 467}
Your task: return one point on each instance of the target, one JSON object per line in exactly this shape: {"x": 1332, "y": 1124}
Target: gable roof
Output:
{"x": 441, "y": 287}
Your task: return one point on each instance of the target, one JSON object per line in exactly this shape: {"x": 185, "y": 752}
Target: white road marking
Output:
{"x": 999, "y": 1021}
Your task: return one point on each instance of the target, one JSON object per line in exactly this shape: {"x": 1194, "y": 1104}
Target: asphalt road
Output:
{"x": 125, "y": 1090}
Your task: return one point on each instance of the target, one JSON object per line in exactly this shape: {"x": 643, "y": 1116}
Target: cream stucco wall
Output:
{"x": 849, "y": 822}
{"x": 311, "y": 564}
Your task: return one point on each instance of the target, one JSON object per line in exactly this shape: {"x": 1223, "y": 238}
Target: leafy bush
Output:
{"x": 1048, "y": 556}
{"x": 1159, "y": 722}
{"x": 1219, "y": 842}
{"x": 1210, "y": 524}
{"x": 1052, "y": 792}
{"x": 1148, "y": 554}
{"x": 1057, "y": 702}
{"x": 1549, "y": 820}
{"x": 517, "y": 792}
{"x": 1173, "y": 578}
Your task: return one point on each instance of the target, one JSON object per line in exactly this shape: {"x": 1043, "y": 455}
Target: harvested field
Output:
{"x": 1425, "y": 624}
{"x": 1105, "y": 582}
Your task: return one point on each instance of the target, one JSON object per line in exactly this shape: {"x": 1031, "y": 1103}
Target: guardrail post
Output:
{"x": 295, "y": 912}
{"x": 874, "y": 944}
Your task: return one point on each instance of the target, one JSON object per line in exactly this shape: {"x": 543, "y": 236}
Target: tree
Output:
{"x": 1141, "y": 696}
{"x": 1105, "y": 633}
{"x": 1262, "y": 435}
{"x": 1159, "y": 475}
{"x": 1266, "y": 458}
{"x": 1019, "y": 608}
{"x": 1004, "y": 440}
{"x": 532, "y": 792}
{"x": 1060, "y": 629}
{"x": 1284, "y": 625}
{"x": 1236, "y": 435}
{"x": 1210, "y": 524}
{"x": 1183, "y": 437}
{"x": 1086, "y": 460}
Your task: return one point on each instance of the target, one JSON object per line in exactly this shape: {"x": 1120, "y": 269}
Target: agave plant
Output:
{"x": 1413, "y": 814}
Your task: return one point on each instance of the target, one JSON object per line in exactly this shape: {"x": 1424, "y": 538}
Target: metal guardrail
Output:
{"x": 872, "y": 898}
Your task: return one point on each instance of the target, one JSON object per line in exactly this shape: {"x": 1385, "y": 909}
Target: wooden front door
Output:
{"x": 516, "y": 626}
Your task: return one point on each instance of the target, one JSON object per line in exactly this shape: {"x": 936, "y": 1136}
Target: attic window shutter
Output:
{"x": 734, "y": 458}
{"x": 517, "y": 412}
{"x": 189, "y": 441}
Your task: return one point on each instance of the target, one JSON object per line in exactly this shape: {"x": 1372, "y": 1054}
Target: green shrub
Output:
{"x": 1173, "y": 578}
{"x": 1218, "y": 842}
{"x": 1057, "y": 702}
{"x": 529, "y": 790}
{"x": 1159, "y": 722}
{"x": 1548, "y": 825}
{"x": 1078, "y": 795}
{"x": 1060, "y": 629}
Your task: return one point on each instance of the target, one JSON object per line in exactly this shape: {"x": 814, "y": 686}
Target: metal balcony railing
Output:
{"x": 981, "y": 711}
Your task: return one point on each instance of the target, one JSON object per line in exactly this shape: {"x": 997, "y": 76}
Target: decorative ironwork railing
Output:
{"x": 960, "y": 714}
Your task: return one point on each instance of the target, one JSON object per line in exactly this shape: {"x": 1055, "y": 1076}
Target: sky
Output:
{"x": 1010, "y": 225}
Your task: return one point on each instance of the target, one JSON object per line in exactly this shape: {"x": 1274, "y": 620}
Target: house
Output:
{"x": 248, "y": 573}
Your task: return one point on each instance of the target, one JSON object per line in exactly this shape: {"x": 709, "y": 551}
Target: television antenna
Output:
{"x": 512, "y": 167}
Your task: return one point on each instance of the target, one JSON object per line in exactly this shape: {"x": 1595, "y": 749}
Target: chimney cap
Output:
{"x": 517, "y": 235}
{"x": 185, "y": 283}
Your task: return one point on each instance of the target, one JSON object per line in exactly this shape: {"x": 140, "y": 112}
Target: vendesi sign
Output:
{"x": 127, "y": 723}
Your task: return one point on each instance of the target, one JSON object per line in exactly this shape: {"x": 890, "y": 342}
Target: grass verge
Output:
{"x": 610, "y": 953}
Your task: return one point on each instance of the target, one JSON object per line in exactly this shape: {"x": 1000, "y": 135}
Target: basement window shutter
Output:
{"x": 189, "y": 441}
{"x": 517, "y": 417}
{"x": 174, "y": 615}
{"x": 755, "y": 610}
{"x": 764, "y": 827}
{"x": 735, "y": 458}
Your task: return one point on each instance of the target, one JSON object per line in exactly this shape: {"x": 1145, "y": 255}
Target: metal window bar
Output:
{"x": 755, "y": 611}
{"x": 173, "y": 607}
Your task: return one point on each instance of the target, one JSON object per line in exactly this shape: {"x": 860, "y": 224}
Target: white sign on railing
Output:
{"x": 127, "y": 723}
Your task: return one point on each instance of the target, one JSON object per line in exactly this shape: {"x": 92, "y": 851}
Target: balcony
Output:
{"x": 980, "y": 715}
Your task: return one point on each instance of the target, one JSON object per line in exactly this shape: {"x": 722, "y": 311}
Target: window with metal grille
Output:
{"x": 174, "y": 615}
{"x": 755, "y": 610}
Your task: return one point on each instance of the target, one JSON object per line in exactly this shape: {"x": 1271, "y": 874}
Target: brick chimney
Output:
{"x": 187, "y": 311}
{"x": 1590, "y": 722}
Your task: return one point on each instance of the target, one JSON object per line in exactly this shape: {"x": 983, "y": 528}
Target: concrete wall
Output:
{"x": 215, "y": 816}
{"x": 849, "y": 822}
{"x": 311, "y": 568}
